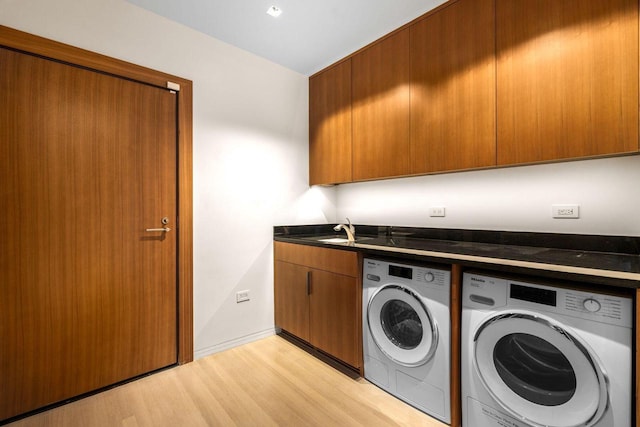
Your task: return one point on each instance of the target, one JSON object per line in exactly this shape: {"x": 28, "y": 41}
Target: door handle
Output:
{"x": 308, "y": 282}
{"x": 164, "y": 221}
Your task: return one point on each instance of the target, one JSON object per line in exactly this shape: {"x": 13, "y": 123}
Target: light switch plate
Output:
{"x": 242, "y": 296}
{"x": 438, "y": 211}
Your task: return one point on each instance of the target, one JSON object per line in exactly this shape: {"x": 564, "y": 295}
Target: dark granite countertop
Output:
{"x": 613, "y": 260}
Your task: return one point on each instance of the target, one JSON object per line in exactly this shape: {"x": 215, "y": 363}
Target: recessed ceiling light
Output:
{"x": 274, "y": 11}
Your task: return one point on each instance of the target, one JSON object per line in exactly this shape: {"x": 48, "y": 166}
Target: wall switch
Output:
{"x": 437, "y": 211}
{"x": 565, "y": 211}
{"x": 242, "y": 296}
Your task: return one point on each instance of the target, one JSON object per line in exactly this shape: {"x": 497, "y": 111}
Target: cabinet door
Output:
{"x": 330, "y": 125}
{"x": 381, "y": 109}
{"x": 292, "y": 299}
{"x": 453, "y": 124}
{"x": 567, "y": 79}
{"x": 334, "y": 313}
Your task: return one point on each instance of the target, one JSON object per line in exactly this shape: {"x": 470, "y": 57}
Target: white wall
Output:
{"x": 250, "y": 150}
{"x": 511, "y": 199}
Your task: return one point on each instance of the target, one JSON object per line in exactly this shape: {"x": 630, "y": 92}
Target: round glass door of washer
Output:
{"x": 539, "y": 371}
{"x": 402, "y": 326}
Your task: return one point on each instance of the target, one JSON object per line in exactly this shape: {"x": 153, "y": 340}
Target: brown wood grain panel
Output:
{"x": 333, "y": 316}
{"x": 330, "y": 153}
{"x": 456, "y": 337}
{"x": 359, "y": 349}
{"x": 291, "y": 299}
{"x": 48, "y": 48}
{"x": 381, "y": 76}
{"x": 333, "y": 260}
{"x": 185, "y": 219}
{"x": 90, "y": 163}
{"x": 330, "y": 316}
{"x": 567, "y": 79}
{"x": 453, "y": 123}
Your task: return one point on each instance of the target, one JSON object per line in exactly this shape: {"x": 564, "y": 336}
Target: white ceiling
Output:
{"x": 308, "y": 36}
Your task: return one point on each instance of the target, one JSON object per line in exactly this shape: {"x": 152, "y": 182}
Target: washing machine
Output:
{"x": 406, "y": 338}
{"x": 538, "y": 355}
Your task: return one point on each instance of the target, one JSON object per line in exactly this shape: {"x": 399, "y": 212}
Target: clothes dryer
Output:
{"x": 406, "y": 329}
{"x": 535, "y": 355}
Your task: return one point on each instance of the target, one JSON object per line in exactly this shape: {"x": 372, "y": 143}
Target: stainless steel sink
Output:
{"x": 335, "y": 239}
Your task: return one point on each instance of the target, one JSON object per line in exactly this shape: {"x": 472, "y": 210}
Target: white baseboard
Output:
{"x": 198, "y": 354}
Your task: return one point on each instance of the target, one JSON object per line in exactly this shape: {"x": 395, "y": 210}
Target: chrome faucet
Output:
{"x": 350, "y": 229}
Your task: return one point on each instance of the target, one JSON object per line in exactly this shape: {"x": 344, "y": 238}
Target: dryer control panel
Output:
{"x": 485, "y": 292}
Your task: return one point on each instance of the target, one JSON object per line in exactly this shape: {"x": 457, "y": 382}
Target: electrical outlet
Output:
{"x": 437, "y": 211}
{"x": 565, "y": 211}
{"x": 242, "y": 296}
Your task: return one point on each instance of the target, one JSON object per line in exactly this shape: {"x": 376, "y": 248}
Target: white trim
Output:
{"x": 236, "y": 342}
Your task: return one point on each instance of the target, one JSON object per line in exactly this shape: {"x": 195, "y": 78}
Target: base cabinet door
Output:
{"x": 292, "y": 299}
{"x": 318, "y": 296}
{"x": 333, "y": 305}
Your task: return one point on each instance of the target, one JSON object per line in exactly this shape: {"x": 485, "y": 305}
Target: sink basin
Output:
{"x": 334, "y": 240}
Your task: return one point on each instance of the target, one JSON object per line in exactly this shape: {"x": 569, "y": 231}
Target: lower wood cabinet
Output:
{"x": 318, "y": 296}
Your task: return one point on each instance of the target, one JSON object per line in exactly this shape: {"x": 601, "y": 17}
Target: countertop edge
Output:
{"x": 502, "y": 261}
{"x": 452, "y": 257}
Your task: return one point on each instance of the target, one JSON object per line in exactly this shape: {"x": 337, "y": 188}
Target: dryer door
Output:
{"x": 402, "y": 326}
{"x": 539, "y": 371}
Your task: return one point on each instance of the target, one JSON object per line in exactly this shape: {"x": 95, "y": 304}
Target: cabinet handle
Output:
{"x": 308, "y": 282}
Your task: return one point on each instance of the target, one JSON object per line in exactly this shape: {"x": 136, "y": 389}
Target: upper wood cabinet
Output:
{"x": 381, "y": 76}
{"x": 481, "y": 83}
{"x": 567, "y": 79}
{"x": 453, "y": 122}
{"x": 330, "y": 159}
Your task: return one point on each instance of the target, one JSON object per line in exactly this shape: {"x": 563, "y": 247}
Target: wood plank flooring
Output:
{"x": 270, "y": 382}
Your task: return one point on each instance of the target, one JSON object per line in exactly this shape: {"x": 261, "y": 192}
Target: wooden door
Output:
{"x": 381, "y": 109}
{"x": 567, "y": 79}
{"x": 334, "y": 314}
{"x": 453, "y": 118}
{"x": 330, "y": 125}
{"x": 291, "y": 299}
{"x": 87, "y": 163}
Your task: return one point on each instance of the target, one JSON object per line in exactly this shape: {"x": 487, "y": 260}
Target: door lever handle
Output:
{"x": 165, "y": 229}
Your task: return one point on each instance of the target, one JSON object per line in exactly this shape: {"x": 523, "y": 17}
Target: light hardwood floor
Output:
{"x": 270, "y": 382}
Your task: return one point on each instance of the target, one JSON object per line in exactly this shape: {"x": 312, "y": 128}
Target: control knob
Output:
{"x": 591, "y": 305}
{"x": 429, "y": 277}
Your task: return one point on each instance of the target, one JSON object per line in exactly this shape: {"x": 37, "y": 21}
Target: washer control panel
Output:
{"x": 383, "y": 271}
